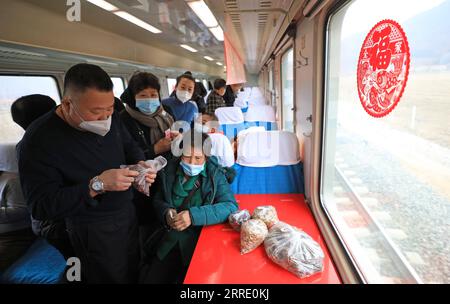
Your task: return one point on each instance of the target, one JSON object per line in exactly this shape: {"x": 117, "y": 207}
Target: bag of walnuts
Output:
{"x": 253, "y": 233}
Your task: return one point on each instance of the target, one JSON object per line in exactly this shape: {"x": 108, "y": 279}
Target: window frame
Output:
{"x": 318, "y": 189}
{"x": 288, "y": 47}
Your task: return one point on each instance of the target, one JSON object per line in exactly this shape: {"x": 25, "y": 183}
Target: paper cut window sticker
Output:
{"x": 383, "y": 68}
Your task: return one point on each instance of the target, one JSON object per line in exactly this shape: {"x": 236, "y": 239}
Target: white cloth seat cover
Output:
{"x": 222, "y": 149}
{"x": 229, "y": 115}
{"x": 268, "y": 148}
{"x": 264, "y": 113}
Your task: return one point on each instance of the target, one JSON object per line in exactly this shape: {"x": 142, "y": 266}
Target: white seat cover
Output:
{"x": 260, "y": 113}
{"x": 230, "y": 115}
{"x": 251, "y": 129}
{"x": 222, "y": 149}
{"x": 257, "y": 97}
{"x": 268, "y": 148}
{"x": 8, "y": 158}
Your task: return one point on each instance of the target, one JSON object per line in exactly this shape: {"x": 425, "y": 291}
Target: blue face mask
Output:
{"x": 192, "y": 170}
{"x": 148, "y": 106}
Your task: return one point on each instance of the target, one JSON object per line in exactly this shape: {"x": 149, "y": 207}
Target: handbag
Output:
{"x": 152, "y": 243}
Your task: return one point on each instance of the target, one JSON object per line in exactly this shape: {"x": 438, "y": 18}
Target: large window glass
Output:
{"x": 171, "y": 83}
{"x": 287, "y": 90}
{"x": 119, "y": 86}
{"x": 385, "y": 181}
{"x": 14, "y": 87}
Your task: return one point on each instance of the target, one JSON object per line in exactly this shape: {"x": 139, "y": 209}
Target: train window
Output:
{"x": 171, "y": 83}
{"x": 273, "y": 100}
{"x": 205, "y": 84}
{"x": 119, "y": 86}
{"x": 14, "y": 87}
{"x": 287, "y": 91}
{"x": 385, "y": 181}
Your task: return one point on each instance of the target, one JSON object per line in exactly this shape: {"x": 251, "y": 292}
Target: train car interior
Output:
{"x": 338, "y": 123}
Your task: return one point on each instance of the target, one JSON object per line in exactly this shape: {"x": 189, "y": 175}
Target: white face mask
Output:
{"x": 100, "y": 127}
{"x": 183, "y": 96}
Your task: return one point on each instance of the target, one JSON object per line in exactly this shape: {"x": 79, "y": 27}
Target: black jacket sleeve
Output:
{"x": 133, "y": 152}
{"x": 47, "y": 196}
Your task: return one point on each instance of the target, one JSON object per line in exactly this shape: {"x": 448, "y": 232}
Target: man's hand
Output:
{"x": 117, "y": 179}
{"x": 182, "y": 221}
{"x": 163, "y": 145}
{"x": 150, "y": 176}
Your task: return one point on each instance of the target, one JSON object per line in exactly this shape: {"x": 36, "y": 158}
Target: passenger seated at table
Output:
{"x": 221, "y": 147}
{"x": 193, "y": 192}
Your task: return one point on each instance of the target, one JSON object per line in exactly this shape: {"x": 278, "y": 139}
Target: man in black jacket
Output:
{"x": 69, "y": 166}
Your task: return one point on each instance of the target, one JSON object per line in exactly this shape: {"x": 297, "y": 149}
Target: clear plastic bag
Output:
{"x": 253, "y": 233}
{"x": 294, "y": 250}
{"x": 237, "y": 218}
{"x": 155, "y": 165}
{"x": 267, "y": 214}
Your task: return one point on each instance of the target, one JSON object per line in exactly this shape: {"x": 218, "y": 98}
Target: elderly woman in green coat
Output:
{"x": 193, "y": 192}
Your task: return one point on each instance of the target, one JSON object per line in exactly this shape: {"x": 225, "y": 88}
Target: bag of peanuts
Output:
{"x": 294, "y": 250}
{"x": 237, "y": 218}
{"x": 140, "y": 184}
{"x": 253, "y": 233}
{"x": 267, "y": 214}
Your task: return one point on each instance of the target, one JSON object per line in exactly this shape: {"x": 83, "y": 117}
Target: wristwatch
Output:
{"x": 97, "y": 185}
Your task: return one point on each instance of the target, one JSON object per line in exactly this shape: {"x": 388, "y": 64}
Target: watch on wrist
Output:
{"x": 97, "y": 185}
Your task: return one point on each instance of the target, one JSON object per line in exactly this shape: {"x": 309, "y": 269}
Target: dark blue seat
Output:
{"x": 41, "y": 264}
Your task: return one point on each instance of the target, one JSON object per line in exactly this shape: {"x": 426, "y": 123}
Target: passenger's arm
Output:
{"x": 224, "y": 205}
{"x": 133, "y": 152}
{"x": 43, "y": 187}
{"x": 159, "y": 202}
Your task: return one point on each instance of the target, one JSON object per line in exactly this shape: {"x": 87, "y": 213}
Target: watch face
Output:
{"x": 97, "y": 186}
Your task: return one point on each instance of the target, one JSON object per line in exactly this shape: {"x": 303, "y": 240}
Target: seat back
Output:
{"x": 231, "y": 121}
{"x": 268, "y": 148}
{"x": 222, "y": 149}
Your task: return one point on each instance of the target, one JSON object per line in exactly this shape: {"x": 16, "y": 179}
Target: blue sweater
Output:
{"x": 181, "y": 111}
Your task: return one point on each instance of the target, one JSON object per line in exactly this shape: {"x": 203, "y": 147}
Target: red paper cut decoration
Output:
{"x": 383, "y": 68}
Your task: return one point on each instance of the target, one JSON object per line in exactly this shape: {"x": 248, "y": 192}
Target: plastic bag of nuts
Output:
{"x": 294, "y": 250}
{"x": 253, "y": 233}
{"x": 237, "y": 218}
{"x": 267, "y": 214}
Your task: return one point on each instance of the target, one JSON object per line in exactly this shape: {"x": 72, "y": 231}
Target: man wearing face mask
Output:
{"x": 148, "y": 122}
{"x": 180, "y": 105}
{"x": 69, "y": 162}
{"x": 215, "y": 99}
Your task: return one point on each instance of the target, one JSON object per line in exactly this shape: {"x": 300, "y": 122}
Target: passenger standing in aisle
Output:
{"x": 69, "y": 164}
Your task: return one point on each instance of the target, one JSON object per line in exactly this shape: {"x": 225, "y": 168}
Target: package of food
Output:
{"x": 267, "y": 214}
{"x": 294, "y": 250}
{"x": 237, "y": 218}
{"x": 155, "y": 165}
{"x": 253, "y": 233}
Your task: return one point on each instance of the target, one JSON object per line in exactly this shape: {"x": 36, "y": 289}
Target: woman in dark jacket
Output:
{"x": 148, "y": 123}
{"x": 144, "y": 115}
{"x": 193, "y": 192}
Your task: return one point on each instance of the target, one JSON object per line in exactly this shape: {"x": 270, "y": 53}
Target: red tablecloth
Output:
{"x": 217, "y": 258}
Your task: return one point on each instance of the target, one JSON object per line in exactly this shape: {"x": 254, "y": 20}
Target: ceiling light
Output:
{"x": 138, "y": 22}
{"x": 208, "y": 58}
{"x": 217, "y": 32}
{"x": 204, "y": 13}
{"x": 218, "y": 63}
{"x": 104, "y": 5}
{"x": 187, "y": 47}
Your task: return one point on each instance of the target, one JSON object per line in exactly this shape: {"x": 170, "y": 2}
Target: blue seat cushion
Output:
{"x": 268, "y": 180}
{"x": 231, "y": 130}
{"x": 41, "y": 264}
